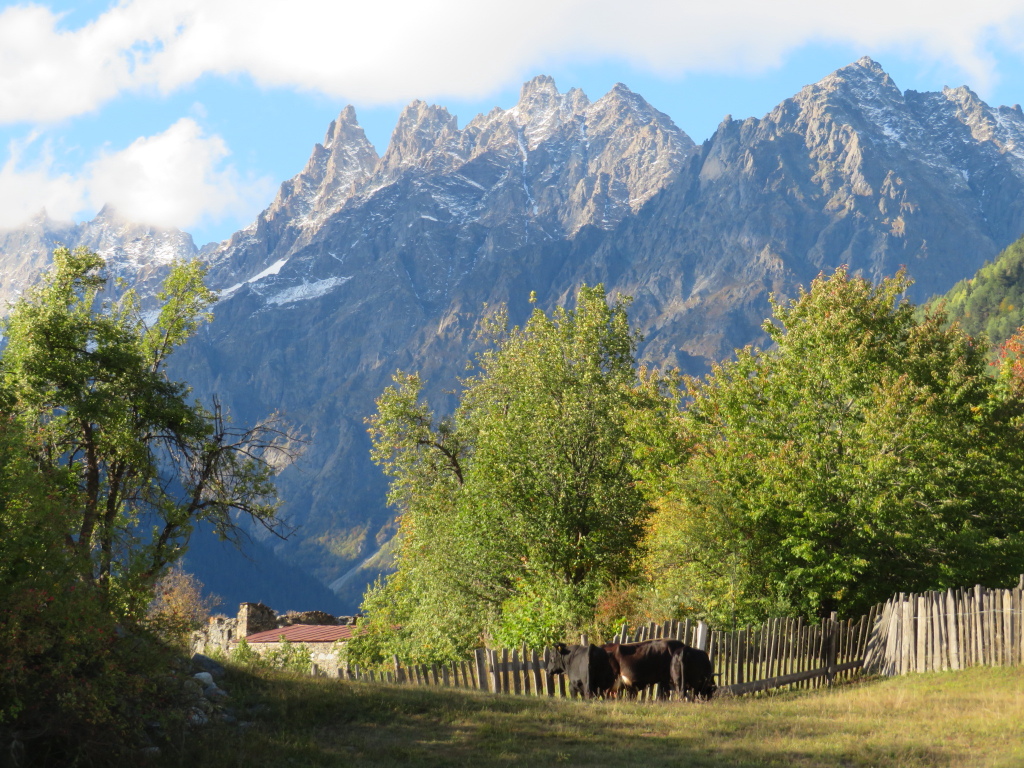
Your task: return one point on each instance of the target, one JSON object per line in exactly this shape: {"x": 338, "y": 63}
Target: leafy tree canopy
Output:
{"x": 86, "y": 376}
{"x": 520, "y": 509}
{"x": 867, "y": 451}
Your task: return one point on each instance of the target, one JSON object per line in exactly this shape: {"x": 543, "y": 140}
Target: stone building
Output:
{"x": 264, "y": 630}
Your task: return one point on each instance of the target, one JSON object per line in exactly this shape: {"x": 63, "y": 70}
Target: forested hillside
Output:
{"x": 992, "y": 301}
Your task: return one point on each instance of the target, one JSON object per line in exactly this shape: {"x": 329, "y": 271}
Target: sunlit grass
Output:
{"x": 971, "y": 718}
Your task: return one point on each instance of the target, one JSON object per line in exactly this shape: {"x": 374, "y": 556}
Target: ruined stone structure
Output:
{"x": 255, "y": 619}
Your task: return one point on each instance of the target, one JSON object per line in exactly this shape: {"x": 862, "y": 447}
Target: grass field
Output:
{"x": 969, "y": 718}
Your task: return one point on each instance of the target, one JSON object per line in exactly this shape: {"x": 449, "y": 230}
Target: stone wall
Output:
{"x": 324, "y": 656}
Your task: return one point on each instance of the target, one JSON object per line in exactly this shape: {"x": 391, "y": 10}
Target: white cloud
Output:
{"x": 28, "y": 185}
{"x": 177, "y": 178}
{"x": 393, "y": 50}
{"x": 48, "y": 73}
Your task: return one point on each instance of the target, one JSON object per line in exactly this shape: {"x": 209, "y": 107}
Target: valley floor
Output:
{"x": 970, "y": 718}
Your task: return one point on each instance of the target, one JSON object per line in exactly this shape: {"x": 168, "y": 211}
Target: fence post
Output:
{"x": 492, "y": 658}
{"x": 701, "y": 643}
{"x": 481, "y": 668}
{"x": 517, "y": 668}
{"x": 831, "y": 648}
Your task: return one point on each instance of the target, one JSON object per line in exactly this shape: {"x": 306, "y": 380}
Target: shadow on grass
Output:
{"x": 304, "y": 722}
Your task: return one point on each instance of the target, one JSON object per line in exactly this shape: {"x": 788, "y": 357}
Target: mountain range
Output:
{"x": 365, "y": 264}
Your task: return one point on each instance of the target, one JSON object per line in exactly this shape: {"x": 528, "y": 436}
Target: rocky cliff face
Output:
{"x": 363, "y": 265}
{"x": 848, "y": 171}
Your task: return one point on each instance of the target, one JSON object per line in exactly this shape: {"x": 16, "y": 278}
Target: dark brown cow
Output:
{"x": 670, "y": 664}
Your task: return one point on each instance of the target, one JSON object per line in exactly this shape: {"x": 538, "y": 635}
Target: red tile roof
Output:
{"x": 304, "y": 633}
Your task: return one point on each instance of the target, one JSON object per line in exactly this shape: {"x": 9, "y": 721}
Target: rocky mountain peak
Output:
{"x": 538, "y": 98}
{"x": 350, "y": 164}
{"x": 867, "y": 64}
{"x": 540, "y": 88}
{"x": 1001, "y": 129}
{"x": 577, "y": 99}
{"x": 972, "y": 112}
{"x": 629, "y": 105}
{"x": 131, "y": 245}
{"x": 334, "y": 172}
{"x": 857, "y": 100}
{"x": 863, "y": 81}
{"x": 419, "y": 129}
{"x": 543, "y": 112}
{"x": 342, "y": 127}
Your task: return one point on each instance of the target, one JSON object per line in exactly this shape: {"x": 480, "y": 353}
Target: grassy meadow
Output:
{"x": 969, "y": 718}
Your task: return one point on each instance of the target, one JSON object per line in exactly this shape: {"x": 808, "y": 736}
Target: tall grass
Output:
{"x": 970, "y": 718}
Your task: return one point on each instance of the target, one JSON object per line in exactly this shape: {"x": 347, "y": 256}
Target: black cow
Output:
{"x": 587, "y": 666}
{"x": 670, "y": 664}
{"x": 692, "y": 671}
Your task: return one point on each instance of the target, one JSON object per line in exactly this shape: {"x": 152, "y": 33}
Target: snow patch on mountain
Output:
{"x": 273, "y": 269}
{"x": 307, "y": 291}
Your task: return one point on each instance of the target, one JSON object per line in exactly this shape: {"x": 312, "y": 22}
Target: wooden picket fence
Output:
{"x": 909, "y": 633}
{"x": 954, "y": 629}
{"x": 516, "y": 671}
{"x": 789, "y": 653}
{"x": 782, "y": 653}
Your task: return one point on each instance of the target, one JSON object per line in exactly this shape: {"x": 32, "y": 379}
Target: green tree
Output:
{"x": 521, "y": 509}
{"x": 86, "y": 375}
{"x": 866, "y": 452}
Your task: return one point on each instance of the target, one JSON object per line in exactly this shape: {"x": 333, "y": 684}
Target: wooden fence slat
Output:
{"x": 1007, "y": 640}
{"x": 832, "y": 647}
{"x": 977, "y": 627}
{"x": 740, "y": 661}
{"x": 906, "y": 635}
{"x": 993, "y": 626}
{"x": 952, "y": 632}
{"x": 920, "y": 626}
{"x": 481, "y": 668}
{"x": 784, "y": 647}
{"x": 802, "y": 650}
{"x": 963, "y": 623}
{"x": 517, "y": 668}
{"x": 1018, "y": 644}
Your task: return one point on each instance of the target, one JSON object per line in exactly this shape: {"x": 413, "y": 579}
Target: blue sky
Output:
{"x": 190, "y": 113}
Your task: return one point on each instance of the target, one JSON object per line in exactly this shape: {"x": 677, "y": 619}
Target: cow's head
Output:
{"x": 706, "y": 687}
{"x": 557, "y": 660}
